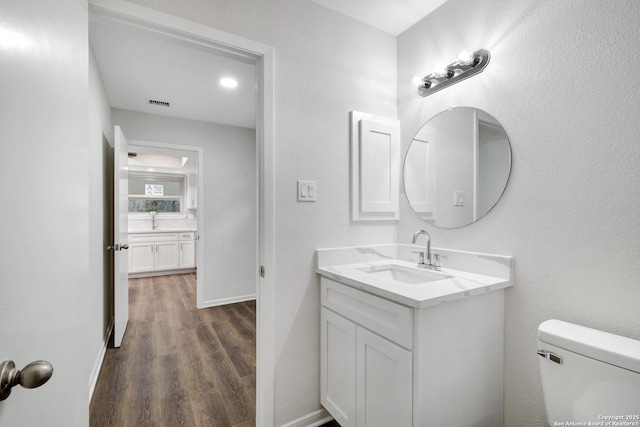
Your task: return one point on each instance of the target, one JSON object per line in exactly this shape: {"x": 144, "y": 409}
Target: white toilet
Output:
{"x": 588, "y": 375}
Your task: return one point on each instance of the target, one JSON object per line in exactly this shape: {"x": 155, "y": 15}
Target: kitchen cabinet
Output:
{"x": 141, "y": 257}
{"x": 160, "y": 253}
{"x": 187, "y": 250}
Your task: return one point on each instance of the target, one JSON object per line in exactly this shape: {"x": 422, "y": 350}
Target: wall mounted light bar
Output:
{"x": 467, "y": 65}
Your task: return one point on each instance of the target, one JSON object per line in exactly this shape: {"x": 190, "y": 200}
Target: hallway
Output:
{"x": 179, "y": 365}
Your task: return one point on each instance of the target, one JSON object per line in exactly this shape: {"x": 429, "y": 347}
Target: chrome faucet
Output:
{"x": 421, "y": 260}
{"x": 154, "y": 223}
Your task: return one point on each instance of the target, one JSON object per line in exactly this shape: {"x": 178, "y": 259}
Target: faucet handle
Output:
{"x": 420, "y": 256}
{"x": 436, "y": 262}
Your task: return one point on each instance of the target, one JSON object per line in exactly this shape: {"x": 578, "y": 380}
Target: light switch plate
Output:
{"x": 458, "y": 198}
{"x": 306, "y": 191}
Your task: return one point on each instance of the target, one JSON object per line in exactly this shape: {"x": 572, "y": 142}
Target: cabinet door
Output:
{"x": 166, "y": 255}
{"x": 141, "y": 257}
{"x": 187, "y": 254}
{"x": 338, "y": 367}
{"x": 384, "y": 382}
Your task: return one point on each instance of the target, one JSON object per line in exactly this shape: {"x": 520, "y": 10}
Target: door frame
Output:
{"x": 132, "y": 16}
{"x": 200, "y": 261}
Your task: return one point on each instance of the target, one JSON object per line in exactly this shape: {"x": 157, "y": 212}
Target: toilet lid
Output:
{"x": 609, "y": 348}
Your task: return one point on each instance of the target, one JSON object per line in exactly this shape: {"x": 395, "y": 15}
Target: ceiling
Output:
{"x": 392, "y": 16}
{"x": 136, "y": 67}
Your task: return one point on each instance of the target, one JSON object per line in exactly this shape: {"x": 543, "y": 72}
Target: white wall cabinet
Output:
{"x": 375, "y": 167}
{"x": 161, "y": 252}
{"x": 384, "y": 364}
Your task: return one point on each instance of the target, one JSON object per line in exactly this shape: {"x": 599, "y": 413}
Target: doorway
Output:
{"x": 182, "y": 31}
{"x": 179, "y": 168}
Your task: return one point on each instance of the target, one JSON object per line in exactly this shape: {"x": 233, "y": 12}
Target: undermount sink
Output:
{"x": 400, "y": 273}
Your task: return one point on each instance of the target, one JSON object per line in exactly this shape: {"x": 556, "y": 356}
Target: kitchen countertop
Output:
{"x": 176, "y": 230}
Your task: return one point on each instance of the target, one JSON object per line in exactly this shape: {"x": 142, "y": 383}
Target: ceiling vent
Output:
{"x": 159, "y": 103}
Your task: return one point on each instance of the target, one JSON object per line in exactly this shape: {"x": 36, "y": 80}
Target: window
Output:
{"x": 163, "y": 193}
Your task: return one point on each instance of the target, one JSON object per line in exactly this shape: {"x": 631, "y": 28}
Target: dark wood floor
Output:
{"x": 179, "y": 366}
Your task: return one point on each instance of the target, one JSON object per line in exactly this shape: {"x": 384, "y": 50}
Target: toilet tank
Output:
{"x": 588, "y": 375}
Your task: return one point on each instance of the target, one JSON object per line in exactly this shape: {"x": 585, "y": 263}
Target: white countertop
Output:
{"x": 176, "y": 230}
{"x": 492, "y": 272}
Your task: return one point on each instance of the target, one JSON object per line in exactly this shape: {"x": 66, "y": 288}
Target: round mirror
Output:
{"x": 457, "y": 167}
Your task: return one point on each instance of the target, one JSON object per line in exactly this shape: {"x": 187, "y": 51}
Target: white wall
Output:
{"x": 326, "y": 65}
{"x": 99, "y": 289}
{"x": 230, "y": 195}
{"x": 561, "y": 84}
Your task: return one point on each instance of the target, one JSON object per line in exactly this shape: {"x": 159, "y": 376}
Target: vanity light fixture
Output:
{"x": 467, "y": 65}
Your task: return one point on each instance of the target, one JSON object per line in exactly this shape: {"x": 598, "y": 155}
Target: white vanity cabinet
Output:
{"x": 366, "y": 360}
{"x": 160, "y": 252}
{"x": 386, "y": 364}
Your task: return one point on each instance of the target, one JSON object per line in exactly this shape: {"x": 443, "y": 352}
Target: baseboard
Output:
{"x": 224, "y": 301}
{"x": 314, "y": 419}
{"x": 95, "y": 372}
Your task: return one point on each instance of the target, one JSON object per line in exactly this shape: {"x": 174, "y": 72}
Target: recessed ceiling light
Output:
{"x": 150, "y": 169}
{"x": 228, "y": 82}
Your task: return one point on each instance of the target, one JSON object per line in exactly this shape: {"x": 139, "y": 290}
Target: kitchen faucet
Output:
{"x": 154, "y": 224}
{"x": 421, "y": 254}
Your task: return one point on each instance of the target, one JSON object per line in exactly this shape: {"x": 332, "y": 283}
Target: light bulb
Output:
{"x": 465, "y": 58}
{"x": 228, "y": 82}
{"x": 440, "y": 71}
{"x": 417, "y": 81}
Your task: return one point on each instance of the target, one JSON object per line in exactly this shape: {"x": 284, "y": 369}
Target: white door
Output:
{"x": 44, "y": 219}
{"x": 120, "y": 236}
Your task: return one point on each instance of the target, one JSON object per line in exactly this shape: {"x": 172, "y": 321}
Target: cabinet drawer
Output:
{"x": 153, "y": 237}
{"x": 187, "y": 236}
{"x": 388, "y": 319}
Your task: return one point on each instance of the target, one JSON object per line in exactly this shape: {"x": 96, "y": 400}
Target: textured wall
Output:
{"x": 561, "y": 83}
{"x": 325, "y": 65}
